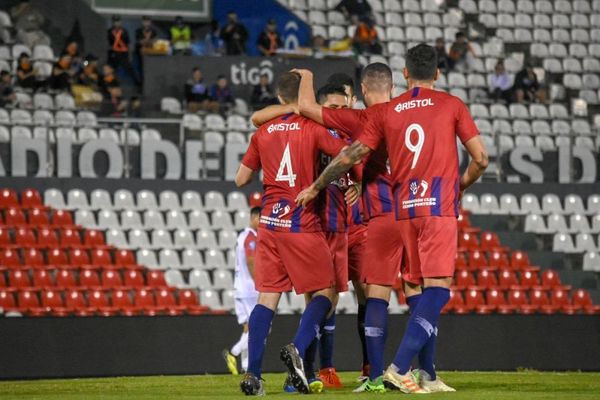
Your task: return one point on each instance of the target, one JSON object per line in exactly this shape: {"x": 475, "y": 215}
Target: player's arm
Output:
{"x": 339, "y": 165}
{"x": 271, "y": 112}
{"x": 477, "y": 165}
{"x": 250, "y": 249}
{"x": 249, "y": 164}
{"x": 243, "y": 176}
{"x": 307, "y": 104}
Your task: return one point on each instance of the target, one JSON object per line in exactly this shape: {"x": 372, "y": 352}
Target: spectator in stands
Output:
{"x": 460, "y": 49}
{"x": 262, "y": 94}
{"x": 234, "y": 35}
{"x": 87, "y": 89}
{"x": 109, "y": 80}
{"x": 365, "y": 38}
{"x": 269, "y": 40}
{"x": 145, "y": 36}
{"x": 62, "y": 74}
{"x": 197, "y": 94}
{"x": 442, "y": 55}
{"x": 221, "y": 93}
{"x": 213, "y": 44}
{"x": 25, "y": 73}
{"x": 118, "y": 53}
{"x": 7, "y": 92}
{"x": 113, "y": 103}
{"x": 181, "y": 36}
{"x": 526, "y": 87}
{"x": 355, "y": 8}
{"x": 500, "y": 84}
{"x": 28, "y": 22}
{"x": 72, "y": 49}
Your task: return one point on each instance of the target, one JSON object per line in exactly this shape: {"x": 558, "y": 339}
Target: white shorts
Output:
{"x": 243, "y": 308}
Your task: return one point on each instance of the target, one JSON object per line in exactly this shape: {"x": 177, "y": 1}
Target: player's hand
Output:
{"x": 302, "y": 72}
{"x": 461, "y": 193}
{"x": 352, "y": 194}
{"x": 306, "y": 196}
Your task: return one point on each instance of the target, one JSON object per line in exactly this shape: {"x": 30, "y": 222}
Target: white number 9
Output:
{"x": 416, "y": 147}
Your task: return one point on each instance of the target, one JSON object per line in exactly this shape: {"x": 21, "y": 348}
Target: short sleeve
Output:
{"x": 329, "y": 141}
{"x": 372, "y": 135}
{"x": 465, "y": 127}
{"x": 346, "y": 120}
{"x": 252, "y": 158}
{"x": 250, "y": 245}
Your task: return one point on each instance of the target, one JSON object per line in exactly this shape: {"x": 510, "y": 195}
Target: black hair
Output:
{"x": 341, "y": 79}
{"x": 255, "y": 211}
{"x": 421, "y": 62}
{"x": 328, "y": 89}
{"x": 287, "y": 86}
{"x": 195, "y": 69}
{"x": 377, "y": 75}
{"x": 459, "y": 34}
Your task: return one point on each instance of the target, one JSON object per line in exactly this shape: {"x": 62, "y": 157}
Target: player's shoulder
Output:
{"x": 446, "y": 97}
{"x": 284, "y": 123}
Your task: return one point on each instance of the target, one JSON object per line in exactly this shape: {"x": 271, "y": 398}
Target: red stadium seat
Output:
{"x": 52, "y": 299}
{"x": 101, "y": 257}
{"x": 28, "y": 299}
{"x": 94, "y": 238}
{"x": 144, "y": 299}
{"x": 24, "y": 237}
{"x": 122, "y": 301}
{"x": 529, "y": 279}
{"x": 468, "y": 241}
{"x": 461, "y": 263}
{"x": 31, "y": 198}
{"x": 456, "y": 303}
{"x": 43, "y": 278}
{"x": 490, "y": 241}
{"x": 62, "y": 218}
{"x": 507, "y": 278}
{"x": 3, "y": 283}
{"x": 14, "y": 217}
{"x": 5, "y": 239}
{"x": 582, "y": 299}
{"x": 89, "y": 278}
{"x": 518, "y": 298}
{"x": 477, "y": 260}
{"x": 75, "y": 300}
{"x": 58, "y": 258}
{"x": 111, "y": 279}
{"x": 7, "y": 300}
{"x": 498, "y": 259}
{"x": 47, "y": 238}
{"x": 463, "y": 278}
{"x": 65, "y": 278}
{"x": 495, "y": 298}
{"x": 79, "y": 258}
{"x": 486, "y": 278}
{"x": 463, "y": 221}
{"x": 9, "y": 258}
{"x": 519, "y": 260}
{"x": 474, "y": 298}
{"x": 255, "y": 199}
{"x": 155, "y": 279}
{"x": 134, "y": 278}
{"x": 165, "y": 299}
{"x": 125, "y": 258}
{"x": 550, "y": 279}
{"x": 538, "y": 298}
{"x": 70, "y": 238}
{"x": 98, "y": 299}
{"x": 38, "y": 217}
{"x": 19, "y": 278}
{"x": 34, "y": 258}
{"x": 9, "y": 198}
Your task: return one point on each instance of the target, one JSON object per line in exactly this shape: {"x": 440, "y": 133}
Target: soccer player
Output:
{"x": 245, "y": 292}
{"x": 292, "y": 251}
{"x": 419, "y": 129}
{"x": 377, "y": 86}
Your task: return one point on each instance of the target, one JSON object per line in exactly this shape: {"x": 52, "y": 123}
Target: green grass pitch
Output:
{"x": 470, "y": 385}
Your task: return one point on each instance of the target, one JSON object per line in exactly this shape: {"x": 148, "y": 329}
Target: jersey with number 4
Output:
{"x": 419, "y": 128}
{"x": 287, "y": 149}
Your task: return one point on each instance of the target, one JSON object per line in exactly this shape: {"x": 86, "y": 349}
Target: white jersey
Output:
{"x": 244, "y": 284}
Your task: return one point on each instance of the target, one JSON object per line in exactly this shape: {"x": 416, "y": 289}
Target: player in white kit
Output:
{"x": 245, "y": 292}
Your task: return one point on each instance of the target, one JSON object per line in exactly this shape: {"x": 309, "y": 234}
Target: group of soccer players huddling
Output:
{"x": 362, "y": 196}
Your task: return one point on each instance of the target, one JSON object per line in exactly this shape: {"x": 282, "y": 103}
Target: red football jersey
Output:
{"x": 419, "y": 129}
{"x": 287, "y": 149}
{"x": 377, "y": 188}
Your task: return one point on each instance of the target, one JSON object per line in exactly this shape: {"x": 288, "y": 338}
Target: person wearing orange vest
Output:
{"x": 269, "y": 40}
{"x": 365, "y": 38}
{"x": 118, "y": 52}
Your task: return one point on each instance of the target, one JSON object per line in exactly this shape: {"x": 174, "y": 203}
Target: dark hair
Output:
{"x": 341, "y": 79}
{"x": 195, "y": 69}
{"x": 221, "y": 76}
{"x": 377, "y": 76}
{"x": 287, "y": 86}
{"x": 459, "y": 34}
{"x": 255, "y": 211}
{"x": 4, "y": 72}
{"x": 421, "y": 62}
{"x": 328, "y": 89}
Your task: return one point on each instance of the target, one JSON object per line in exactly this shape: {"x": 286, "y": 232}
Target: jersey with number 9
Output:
{"x": 287, "y": 150}
{"x": 420, "y": 128}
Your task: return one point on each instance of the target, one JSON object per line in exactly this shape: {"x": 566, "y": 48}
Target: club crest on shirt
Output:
{"x": 333, "y": 133}
{"x": 252, "y": 245}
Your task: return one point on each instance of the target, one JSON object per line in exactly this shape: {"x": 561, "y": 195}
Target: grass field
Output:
{"x": 470, "y": 385}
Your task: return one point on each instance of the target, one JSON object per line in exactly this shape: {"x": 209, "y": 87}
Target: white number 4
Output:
{"x": 286, "y": 164}
{"x": 416, "y": 147}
